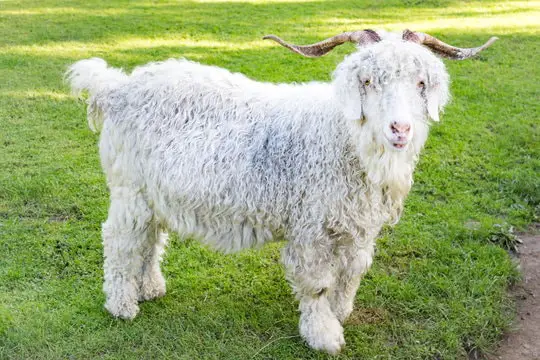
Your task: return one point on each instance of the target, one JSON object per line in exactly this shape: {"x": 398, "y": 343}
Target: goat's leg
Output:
{"x": 153, "y": 282}
{"x": 352, "y": 264}
{"x": 312, "y": 277}
{"x": 318, "y": 325}
{"x": 126, "y": 240}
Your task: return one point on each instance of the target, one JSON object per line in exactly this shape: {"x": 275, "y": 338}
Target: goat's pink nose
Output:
{"x": 400, "y": 128}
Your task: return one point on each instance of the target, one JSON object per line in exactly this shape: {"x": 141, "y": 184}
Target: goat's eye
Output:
{"x": 367, "y": 82}
{"x": 421, "y": 84}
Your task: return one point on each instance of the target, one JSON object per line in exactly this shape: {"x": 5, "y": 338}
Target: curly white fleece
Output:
{"x": 215, "y": 155}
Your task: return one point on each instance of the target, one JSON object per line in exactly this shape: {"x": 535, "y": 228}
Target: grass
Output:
{"x": 438, "y": 287}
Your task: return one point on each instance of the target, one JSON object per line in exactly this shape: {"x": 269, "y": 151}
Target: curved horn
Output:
{"x": 443, "y": 49}
{"x": 319, "y": 49}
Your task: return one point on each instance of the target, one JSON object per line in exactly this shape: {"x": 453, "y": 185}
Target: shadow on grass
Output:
{"x": 98, "y": 21}
{"x": 269, "y": 63}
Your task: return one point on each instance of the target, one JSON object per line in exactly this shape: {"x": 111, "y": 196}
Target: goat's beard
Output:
{"x": 388, "y": 170}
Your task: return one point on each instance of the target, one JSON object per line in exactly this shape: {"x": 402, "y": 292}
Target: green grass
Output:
{"x": 438, "y": 287}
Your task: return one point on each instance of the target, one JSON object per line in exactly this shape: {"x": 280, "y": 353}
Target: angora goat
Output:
{"x": 231, "y": 161}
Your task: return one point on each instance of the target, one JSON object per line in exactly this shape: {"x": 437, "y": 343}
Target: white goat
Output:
{"x": 232, "y": 161}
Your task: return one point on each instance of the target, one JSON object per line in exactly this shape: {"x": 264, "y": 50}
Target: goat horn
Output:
{"x": 443, "y": 49}
{"x": 362, "y": 37}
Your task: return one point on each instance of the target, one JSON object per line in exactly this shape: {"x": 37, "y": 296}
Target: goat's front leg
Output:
{"x": 311, "y": 272}
{"x": 352, "y": 264}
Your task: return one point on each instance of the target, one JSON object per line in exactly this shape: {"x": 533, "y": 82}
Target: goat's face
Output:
{"x": 389, "y": 91}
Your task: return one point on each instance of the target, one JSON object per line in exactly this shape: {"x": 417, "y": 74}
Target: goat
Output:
{"x": 231, "y": 161}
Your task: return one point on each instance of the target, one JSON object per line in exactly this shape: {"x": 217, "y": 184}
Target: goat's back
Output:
{"x": 221, "y": 147}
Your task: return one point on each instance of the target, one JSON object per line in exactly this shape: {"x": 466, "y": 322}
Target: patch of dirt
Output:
{"x": 524, "y": 342}
{"x": 362, "y": 315}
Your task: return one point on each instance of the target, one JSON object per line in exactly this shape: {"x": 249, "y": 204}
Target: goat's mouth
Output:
{"x": 398, "y": 144}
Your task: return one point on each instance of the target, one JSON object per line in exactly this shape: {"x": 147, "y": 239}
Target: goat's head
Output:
{"x": 393, "y": 84}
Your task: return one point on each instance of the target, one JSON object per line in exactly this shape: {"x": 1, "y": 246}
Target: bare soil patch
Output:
{"x": 524, "y": 342}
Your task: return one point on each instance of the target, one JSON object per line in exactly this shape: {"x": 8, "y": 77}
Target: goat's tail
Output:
{"x": 95, "y": 77}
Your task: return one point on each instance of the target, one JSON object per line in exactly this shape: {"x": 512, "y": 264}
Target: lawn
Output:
{"x": 438, "y": 287}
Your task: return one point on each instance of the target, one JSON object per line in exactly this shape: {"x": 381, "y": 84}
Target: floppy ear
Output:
{"x": 433, "y": 106}
{"x": 438, "y": 94}
{"x": 347, "y": 89}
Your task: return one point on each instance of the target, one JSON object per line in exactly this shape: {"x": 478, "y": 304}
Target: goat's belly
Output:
{"x": 222, "y": 230}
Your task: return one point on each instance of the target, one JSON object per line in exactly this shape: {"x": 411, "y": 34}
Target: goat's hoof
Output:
{"x": 152, "y": 288}
{"x": 126, "y": 310}
{"x": 151, "y": 293}
{"x": 324, "y": 334}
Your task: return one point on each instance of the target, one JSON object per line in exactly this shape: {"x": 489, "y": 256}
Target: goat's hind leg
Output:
{"x": 127, "y": 243}
{"x": 153, "y": 282}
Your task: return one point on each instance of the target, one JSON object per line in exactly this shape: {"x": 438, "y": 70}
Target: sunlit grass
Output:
{"x": 63, "y": 11}
{"x": 505, "y": 17}
{"x": 257, "y": 1}
{"x": 526, "y": 22}
{"x": 74, "y": 48}
{"x": 35, "y": 94}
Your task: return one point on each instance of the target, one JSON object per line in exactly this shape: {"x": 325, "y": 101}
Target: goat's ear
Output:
{"x": 438, "y": 94}
{"x": 433, "y": 106}
{"x": 438, "y": 97}
{"x": 347, "y": 88}
{"x": 352, "y": 105}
